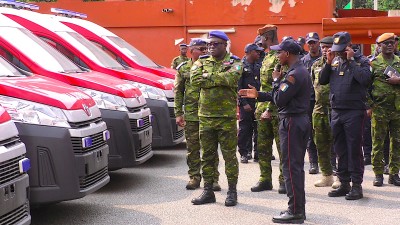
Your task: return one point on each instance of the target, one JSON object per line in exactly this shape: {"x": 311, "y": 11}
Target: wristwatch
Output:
{"x": 275, "y": 79}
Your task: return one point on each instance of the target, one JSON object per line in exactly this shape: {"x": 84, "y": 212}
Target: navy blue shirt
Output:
{"x": 250, "y": 75}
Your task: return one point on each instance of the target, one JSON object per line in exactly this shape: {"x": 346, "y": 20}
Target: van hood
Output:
{"x": 45, "y": 91}
{"x": 148, "y": 78}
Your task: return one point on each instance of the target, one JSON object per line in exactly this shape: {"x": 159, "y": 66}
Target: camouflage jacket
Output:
{"x": 218, "y": 83}
{"x": 186, "y": 96}
{"x": 322, "y": 104}
{"x": 266, "y": 70}
{"x": 178, "y": 60}
{"x": 384, "y": 94}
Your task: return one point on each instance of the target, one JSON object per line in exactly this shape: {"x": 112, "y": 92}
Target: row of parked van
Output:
{"x": 84, "y": 102}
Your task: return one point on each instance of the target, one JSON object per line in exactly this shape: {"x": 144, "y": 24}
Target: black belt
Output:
{"x": 287, "y": 115}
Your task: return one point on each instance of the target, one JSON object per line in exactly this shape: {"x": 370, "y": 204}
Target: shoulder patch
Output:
{"x": 235, "y": 57}
{"x": 283, "y": 87}
{"x": 291, "y": 79}
{"x": 179, "y": 66}
{"x": 204, "y": 56}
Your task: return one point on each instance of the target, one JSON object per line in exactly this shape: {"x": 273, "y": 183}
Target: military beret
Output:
{"x": 396, "y": 37}
{"x": 301, "y": 40}
{"x": 288, "y": 45}
{"x": 251, "y": 47}
{"x": 218, "y": 34}
{"x": 385, "y": 36}
{"x": 266, "y": 28}
{"x": 257, "y": 40}
{"x": 327, "y": 40}
{"x": 197, "y": 41}
{"x": 183, "y": 45}
{"x": 340, "y": 41}
{"x": 312, "y": 36}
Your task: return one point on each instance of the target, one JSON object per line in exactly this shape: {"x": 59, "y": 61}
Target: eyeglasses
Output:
{"x": 388, "y": 43}
{"x": 202, "y": 49}
{"x": 214, "y": 44}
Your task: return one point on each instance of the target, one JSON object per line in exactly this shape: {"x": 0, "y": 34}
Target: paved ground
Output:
{"x": 154, "y": 193}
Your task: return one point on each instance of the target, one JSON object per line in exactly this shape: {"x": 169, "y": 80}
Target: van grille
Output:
{"x": 15, "y": 216}
{"x": 10, "y": 142}
{"x": 137, "y": 109}
{"x": 9, "y": 170}
{"x": 77, "y": 125}
{"x": 135, "y": 128}
{"x": 90, "y": 180}
{"x": 98, "y": 142}
{"x": 143, "y": 151}
{"x": 171, "y": 112}
{"x": 170, "y": 99}
{"x": 179, "y": 134}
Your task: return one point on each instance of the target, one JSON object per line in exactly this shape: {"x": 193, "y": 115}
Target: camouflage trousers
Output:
{"x": 193, "y": 151}
{"x": 384, "y": 121}
{"x": 222, "y": 131}
{"x": 267, "y": 131}
{"x": 323, "y": 140}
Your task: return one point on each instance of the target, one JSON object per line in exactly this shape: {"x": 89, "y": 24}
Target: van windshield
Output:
{"x": 131, "y": 51}
{"x": 7, "y": 70}
{"x": 37, "y": 50}
{"x": 90, "y": 50}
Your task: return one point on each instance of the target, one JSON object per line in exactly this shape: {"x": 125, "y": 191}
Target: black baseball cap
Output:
{"x": 340, "y": 41}
{"x": 312, "y": 36}
{"x": 288, "y": 45}
{"x": 251, "y": 47}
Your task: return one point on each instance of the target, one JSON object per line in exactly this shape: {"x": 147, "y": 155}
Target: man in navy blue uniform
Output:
{"x": 349, "y": 79}
{"x": 291, "y": 93}
{"x": 247, "y": 107}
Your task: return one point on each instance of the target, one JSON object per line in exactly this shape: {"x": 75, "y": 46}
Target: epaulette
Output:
{"x": 372, "y": 58}
{"x": 235, "y": 57}
{"x": 179, "y": 66}
{"x": 204, "y": 56}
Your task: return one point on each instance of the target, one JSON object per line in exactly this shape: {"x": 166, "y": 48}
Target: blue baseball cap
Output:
{"x": 312, "y": 36}
{"x": 218, "y": 34}
{"x": 340, "y": 41}
{"x": 197, "y": 41}
{"x": 251, "y": 47}
{"x": 288, "y": 45}
{"x": 183, "y": 45}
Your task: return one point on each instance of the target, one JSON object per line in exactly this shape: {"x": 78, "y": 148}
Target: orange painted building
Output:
{"x": 144, "y": 24}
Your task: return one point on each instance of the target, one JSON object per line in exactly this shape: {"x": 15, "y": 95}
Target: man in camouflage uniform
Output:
{"x": 267, "y": 116}
{"x": 320, "y": 117}
{"x": 186, "y": 107}
{"x": 385, "y": 110}
{"x": 217, "y": 77}
{"x": 181, "y": 58}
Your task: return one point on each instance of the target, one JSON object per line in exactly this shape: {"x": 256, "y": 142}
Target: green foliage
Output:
{"x": 369, "y": 4}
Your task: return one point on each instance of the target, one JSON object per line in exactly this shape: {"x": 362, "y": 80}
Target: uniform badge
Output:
{"x": 335, "y": 64}
{"x": 283, "y": 87}
{"x": 291, "y": 79}
{"x": 194, "y": 67}
{"x": 341, "y": 73}
{"x": 336, "y": 40}
{"x": 237, "y": 67}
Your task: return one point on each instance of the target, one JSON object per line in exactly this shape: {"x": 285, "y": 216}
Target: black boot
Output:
{"x": 282, "y": 188}
{"x": 394, "y": 179}
{"x": 206, "y": 197}
{"x": 288, "y": 217}
{"x": 261, "y": 186}
{"x": 313, "y": 168}
{"x": 355, "y": 193}
{"x": 231, "y": 199}
{"x": 343, "y": 190}
{"x": 378, "y": 181}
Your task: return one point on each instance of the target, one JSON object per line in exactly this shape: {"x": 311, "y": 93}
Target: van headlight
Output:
{"x": 34, "y": 113}
{"x": 150, "y": 91}
{"x": 106, "y": 101}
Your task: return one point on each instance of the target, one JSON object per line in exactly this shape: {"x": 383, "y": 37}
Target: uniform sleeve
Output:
{"x": 242, "y": 101}
{"x": 227, "y": 78}
{"x": 196, "y": 74}
{"x": 269, "y": 72}
{"x": 264, "y": 96}
{"x": 173, "y": 64}
{"x": 285, "y": 91}
{"x": 361, "y": 73}
{"x": 179, "y": 93}
{"x": 324, "y": 75}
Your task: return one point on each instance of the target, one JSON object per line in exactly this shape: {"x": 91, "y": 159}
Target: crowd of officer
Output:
{"x": 326, "y": 101}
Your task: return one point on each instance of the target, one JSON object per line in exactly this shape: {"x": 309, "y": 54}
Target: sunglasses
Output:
{"x": 388, "y": 43}
{"x": 214, "y": 44}
{"x": 202, "y": 49}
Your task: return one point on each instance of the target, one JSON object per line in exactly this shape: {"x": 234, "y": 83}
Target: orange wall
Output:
{"x": 144, "y": 25}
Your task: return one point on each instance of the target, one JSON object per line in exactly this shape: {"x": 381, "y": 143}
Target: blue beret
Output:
{"x": 197, "y": 41}
{"x": 218, "y": 34}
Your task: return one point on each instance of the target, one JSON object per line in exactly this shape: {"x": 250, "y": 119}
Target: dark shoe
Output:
{"x": 367, "y": 160}
{"x": 355, "y": 193}
{"x": 243, "y": 159}
{"x": 272, "y": 157}
{"x": 343, "y": 190}
{"x": 378, "y": 181}
{"x": 394, "y": 179}
{"x": 255, "y": 160}
{"x": 262, "y": 186}
{"x": 386, "y": 170}
{"x": 249, "y": 156}
{"x": 193, "y": 184}
{"x": 282, "y": 188}
{"x": 206, "y": 197}
{"x": 313, "y": 168}
{"x": 216, "y": 187}
{"x": 231, "y": 198}
{"x": 287, "y": 217}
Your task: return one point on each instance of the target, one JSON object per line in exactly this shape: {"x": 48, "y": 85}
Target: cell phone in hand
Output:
{"x": 390, "y": 71}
